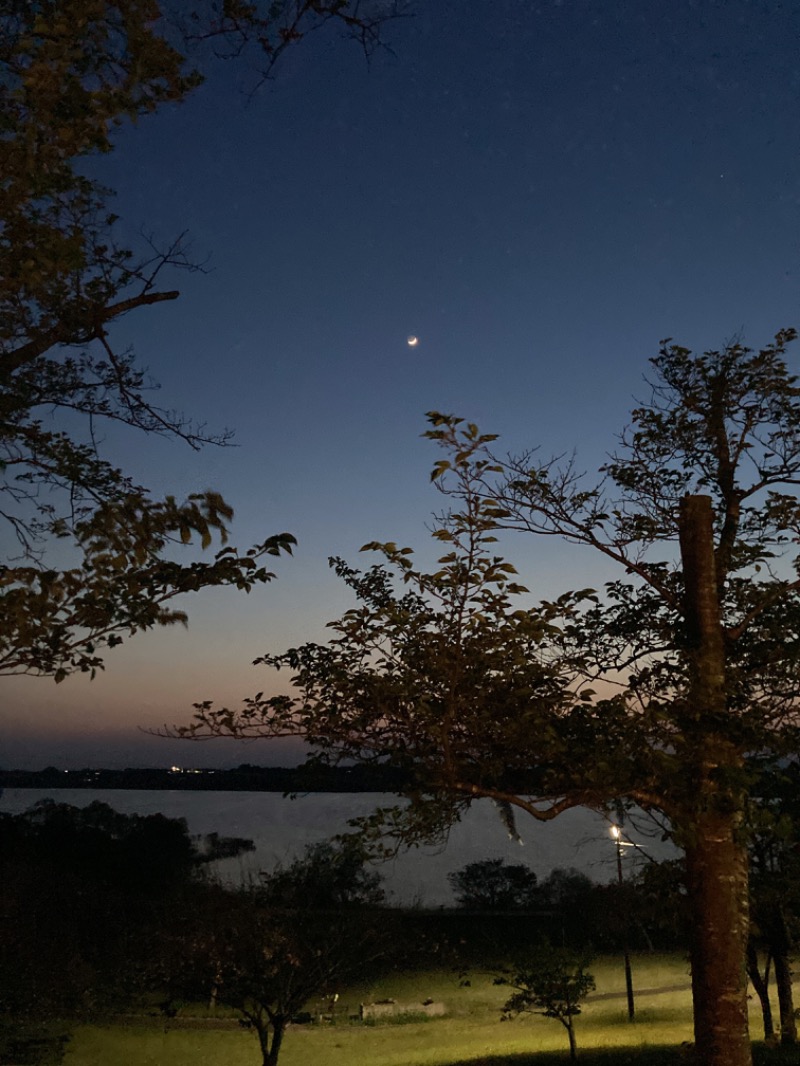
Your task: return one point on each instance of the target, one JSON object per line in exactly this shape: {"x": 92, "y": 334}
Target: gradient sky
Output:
{"x": 539, "y": 191}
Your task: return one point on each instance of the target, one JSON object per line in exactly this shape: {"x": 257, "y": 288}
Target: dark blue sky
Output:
{"x": 539, "y": 191}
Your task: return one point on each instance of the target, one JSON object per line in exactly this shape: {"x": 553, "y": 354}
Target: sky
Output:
{"x": 539, "y": 191}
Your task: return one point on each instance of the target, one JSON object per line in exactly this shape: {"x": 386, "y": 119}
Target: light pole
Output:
{"x": 616, "y": 833}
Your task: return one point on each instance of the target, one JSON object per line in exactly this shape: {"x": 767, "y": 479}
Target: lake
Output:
{"x": 281, "y": 828}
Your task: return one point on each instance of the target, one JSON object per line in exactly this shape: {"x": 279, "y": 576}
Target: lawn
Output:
{"x": 471, "y": 1033}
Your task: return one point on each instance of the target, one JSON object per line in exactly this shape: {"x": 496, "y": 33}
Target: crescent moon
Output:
{"x": 413, "y": 341}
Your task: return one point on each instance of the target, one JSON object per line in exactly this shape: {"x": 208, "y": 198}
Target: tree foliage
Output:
{"x": 328, "y": 877}
{"x": 494, "y": 884}
{"x": 444, "y": 675}
{"x": 74, "y": 72}
{"x": 268, "y": 951}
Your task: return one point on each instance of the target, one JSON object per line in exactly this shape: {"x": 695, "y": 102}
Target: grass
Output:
{"x": 471, "y": 1034}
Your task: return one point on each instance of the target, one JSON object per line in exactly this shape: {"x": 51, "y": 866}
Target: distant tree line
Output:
{"x": 569, "y": 908}
{"x": 243, "y": 778}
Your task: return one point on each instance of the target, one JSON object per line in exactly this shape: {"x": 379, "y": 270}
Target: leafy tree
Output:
{"x": 580, "y": 908}
{"x": 553, "y": 982}
{"x": 494, "y": 884}
{"x": 700, "y": 635}
{"x": 660, "y": 890}
{"x": 267, "y": 952}
{"x": 413, "y": 677}
{"x": 567, "y": 887}
{"x": 699, "y": 508}
{"x": 328, "y": 877}
{"x": 74, "y": 72}
{"x": 86, "y": 895}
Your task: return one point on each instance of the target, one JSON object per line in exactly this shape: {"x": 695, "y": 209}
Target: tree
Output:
{"x": 567, "y": 887}
{"x": 707, "y": 641}
{"x": 581, "y": 908}
{"x": 74, "y": 72}
{"x": 267, "y": 952}
{"x": 86, "y": 896}
{"x": 772, "y": 818}
{"x": 328, "y": 877}
{"x": 700, "y": 637}
{"x": 553, "y": 982}
{"x": 660, "y": 891}
{"x": 660, "y": 896}
{"x": 494, "y": 884}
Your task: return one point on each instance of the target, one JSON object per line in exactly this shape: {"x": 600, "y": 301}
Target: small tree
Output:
{"x": 552, "y": 983}
{"x": 267, "y": 951}
{"x": 494, "y": 884}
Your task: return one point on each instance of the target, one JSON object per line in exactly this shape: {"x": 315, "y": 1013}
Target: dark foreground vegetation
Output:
{"x": 119, "y": 946}
{"x": 655, "y": 1056}
{"x": 106, "y": 913}
{"x": 422, "y": 1047}
{"x": 663, "y": 1056}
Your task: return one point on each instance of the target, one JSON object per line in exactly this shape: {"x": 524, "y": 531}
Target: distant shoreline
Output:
{"x": 244, "y": 778}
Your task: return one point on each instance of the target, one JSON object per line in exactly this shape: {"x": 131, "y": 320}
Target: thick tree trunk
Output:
{"x": 761, "y": 985}
{"x": 710, "y": 809}
{"x": 717, "y": 882}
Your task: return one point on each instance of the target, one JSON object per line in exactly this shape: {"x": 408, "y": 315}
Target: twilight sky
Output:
{"x": 540, "y": 191}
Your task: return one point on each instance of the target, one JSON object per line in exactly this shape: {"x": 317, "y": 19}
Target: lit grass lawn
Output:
{"x": 471, "y": 1034}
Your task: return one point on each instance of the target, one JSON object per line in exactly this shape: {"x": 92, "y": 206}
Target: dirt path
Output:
{"x": 641, "y": 992}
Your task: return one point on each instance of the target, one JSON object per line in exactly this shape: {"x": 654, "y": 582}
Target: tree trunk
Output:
{"x": 761, "y": 986}
{"x": 710, "y": 808}
{"x": 270, "y": 1057}
{"x": 783, "y": 982}
{"x": 573, "y": 1045}
{"x": 780, "y": 945}
{"x": 717, "y": 882}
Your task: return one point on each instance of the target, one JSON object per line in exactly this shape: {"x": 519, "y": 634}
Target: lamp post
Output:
{"x": 616, "y": 833}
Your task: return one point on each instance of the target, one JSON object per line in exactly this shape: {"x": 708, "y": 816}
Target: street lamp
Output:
{"x": 616, "y": 833}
